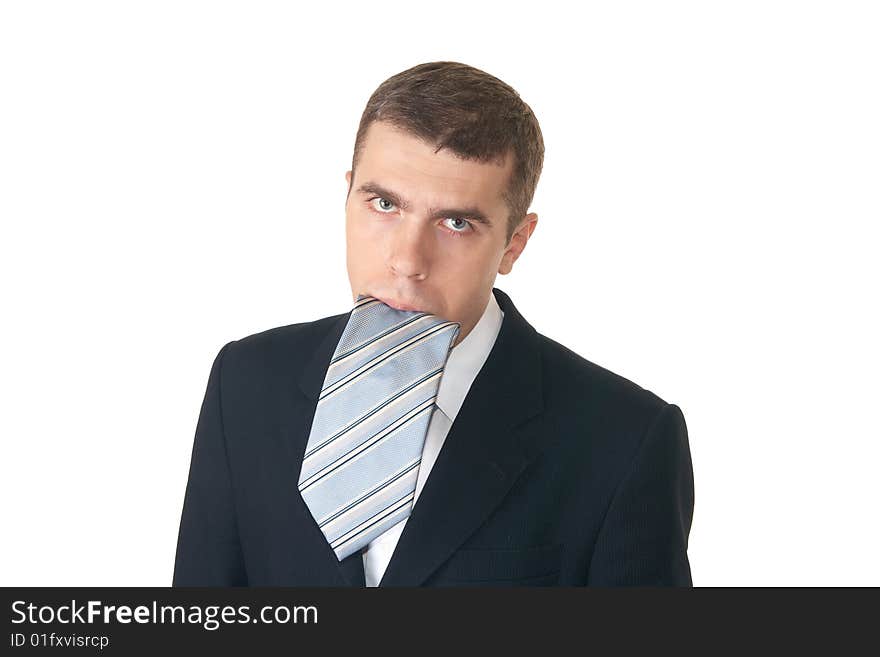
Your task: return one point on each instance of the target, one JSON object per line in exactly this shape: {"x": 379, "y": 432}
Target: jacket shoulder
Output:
{"x": 596, "y": 419}
{"x": 572, "y": 381}
{"x": 280, "y": 347}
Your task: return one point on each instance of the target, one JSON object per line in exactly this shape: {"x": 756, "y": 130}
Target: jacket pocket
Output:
{"x": 538, "y": 563}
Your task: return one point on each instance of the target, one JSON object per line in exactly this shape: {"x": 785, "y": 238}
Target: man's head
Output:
{"x": 445, "y": 165}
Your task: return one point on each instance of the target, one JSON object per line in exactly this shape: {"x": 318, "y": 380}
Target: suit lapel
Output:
{"x": 488, "y": 445}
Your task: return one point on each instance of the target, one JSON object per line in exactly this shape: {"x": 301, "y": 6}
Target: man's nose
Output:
{"x": 410, "y": 249}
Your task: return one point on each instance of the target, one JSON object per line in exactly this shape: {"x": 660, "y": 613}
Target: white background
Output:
{"x": 172, "y": 178}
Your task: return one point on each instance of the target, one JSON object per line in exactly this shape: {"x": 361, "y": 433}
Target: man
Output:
{"x": 538, "y": 467}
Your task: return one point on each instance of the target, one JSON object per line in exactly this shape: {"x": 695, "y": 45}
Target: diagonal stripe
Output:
{"x": 345, "y": 522}
{"x": 380, "y": 359}
{"x": 372, "y": 340}
{"x": 363, "y": 447}
{"x": 383, "y": 485}
{"x": 392, "y": 401}
{"x": 372, "y": 521}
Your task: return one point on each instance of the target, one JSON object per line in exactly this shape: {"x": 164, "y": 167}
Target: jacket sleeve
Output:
{"x": 208, "y": 548}
{"x": 643, "y": 539}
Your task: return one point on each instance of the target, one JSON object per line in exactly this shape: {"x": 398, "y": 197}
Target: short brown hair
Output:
{"x": 473, "y": 114}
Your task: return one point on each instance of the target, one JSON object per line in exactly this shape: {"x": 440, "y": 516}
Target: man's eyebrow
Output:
{"x": 473, "y": 213}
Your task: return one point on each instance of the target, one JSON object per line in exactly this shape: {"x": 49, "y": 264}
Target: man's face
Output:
{"x": 413, "y": 229}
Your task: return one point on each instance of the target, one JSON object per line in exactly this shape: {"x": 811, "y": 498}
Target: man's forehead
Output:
{"x": 392, "y": 151}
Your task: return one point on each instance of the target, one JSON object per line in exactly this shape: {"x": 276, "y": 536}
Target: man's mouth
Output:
{"x": 398, "y": 305}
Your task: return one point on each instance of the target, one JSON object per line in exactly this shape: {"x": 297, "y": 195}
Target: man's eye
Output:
{"x": 466, "y": 225}
{"x": 381, "y": 200}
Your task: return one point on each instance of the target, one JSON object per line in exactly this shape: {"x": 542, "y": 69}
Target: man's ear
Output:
{"x": 518, "y": 242}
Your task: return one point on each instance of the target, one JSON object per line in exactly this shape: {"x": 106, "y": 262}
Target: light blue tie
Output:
{"x": 362, "y": 458}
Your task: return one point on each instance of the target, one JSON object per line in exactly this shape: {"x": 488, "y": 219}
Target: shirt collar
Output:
{"x": 467, "y": 358}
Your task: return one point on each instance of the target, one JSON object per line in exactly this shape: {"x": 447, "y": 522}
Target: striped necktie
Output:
{"x": 361, "y": 461}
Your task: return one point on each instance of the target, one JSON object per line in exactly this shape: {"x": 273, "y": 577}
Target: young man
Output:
{"x": 537, "y": 466}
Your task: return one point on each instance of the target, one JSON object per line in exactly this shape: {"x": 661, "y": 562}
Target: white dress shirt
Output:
{"x": 464, "y": 363}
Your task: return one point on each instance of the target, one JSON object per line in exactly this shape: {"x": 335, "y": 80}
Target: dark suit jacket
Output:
{"x": 555, "y": 472}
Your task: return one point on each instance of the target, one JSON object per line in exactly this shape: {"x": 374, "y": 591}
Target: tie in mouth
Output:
{"x": 391, "y": 303}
